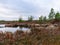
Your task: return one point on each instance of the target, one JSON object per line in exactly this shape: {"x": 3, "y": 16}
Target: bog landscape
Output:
{"x": 45, "y": 31}
{"x": 29, "y": 22}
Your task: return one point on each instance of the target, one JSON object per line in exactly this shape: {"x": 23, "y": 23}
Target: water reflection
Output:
{"x": 12, "y": 29}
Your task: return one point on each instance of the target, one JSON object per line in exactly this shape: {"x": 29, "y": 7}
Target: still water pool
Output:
{"x": 12, "y": 29}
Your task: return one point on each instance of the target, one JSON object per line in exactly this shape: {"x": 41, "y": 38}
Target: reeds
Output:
{"x": 42, "y": 36}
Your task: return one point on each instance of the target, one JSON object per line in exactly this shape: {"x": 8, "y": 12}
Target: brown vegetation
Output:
{"x": 48, "y": 35}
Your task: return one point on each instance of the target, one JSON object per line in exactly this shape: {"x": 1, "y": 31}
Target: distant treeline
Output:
{"x": 52, "y": 16}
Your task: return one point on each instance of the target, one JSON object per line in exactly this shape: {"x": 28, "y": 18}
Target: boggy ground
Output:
{"x": 42, "y": 36}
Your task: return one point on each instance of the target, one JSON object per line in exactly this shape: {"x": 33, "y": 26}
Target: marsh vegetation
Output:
{"x": 45, "y": 31}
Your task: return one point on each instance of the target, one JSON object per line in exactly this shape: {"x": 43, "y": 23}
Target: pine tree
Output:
{"x": 51, "y": 14}
{"x": 30, "y": 18}
{"x": 57, "y": 16}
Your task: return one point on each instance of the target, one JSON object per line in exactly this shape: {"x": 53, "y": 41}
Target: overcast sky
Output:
{"x": 13, "y": 9}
